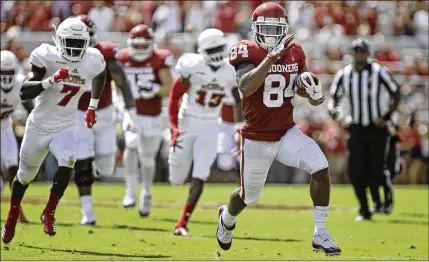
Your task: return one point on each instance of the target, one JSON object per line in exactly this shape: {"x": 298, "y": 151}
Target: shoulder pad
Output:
{"x": 186, "y": 64}
{"x": 96, "y": 59}
{"x": 245, "y": 51}
{"x": 107, "y": 49}
{"x": 165, "y": 56}
{"x": 38, "y": 55}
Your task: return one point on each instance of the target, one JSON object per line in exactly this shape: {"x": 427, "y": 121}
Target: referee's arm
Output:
{"x": 393, "y": 88}
{"x": 337, "y": 92}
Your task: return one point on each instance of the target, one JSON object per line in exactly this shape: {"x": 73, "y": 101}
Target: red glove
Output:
{"x": 61, "y": 74}
{"x": 175, "y": 133}
{"x": 90, "y": 118}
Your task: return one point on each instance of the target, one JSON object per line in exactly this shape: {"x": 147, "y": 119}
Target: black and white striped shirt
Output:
{"x": 368, "y": 92}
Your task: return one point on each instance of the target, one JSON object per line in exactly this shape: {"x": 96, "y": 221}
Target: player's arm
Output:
{"x": 32, "y": 85}
{"x": 98, "y": 85}
{"x": 118, "y": 76}
{"x": 166, "y": 81}
{"x": 251, "y": 77}
{"x": 178, "y": 89}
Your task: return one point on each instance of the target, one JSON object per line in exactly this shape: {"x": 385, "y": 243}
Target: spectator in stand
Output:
{"x": 336, "y": 152}
{"x": 12, "y": 44}
{"x": 81, "y": 7}
{"x": 418, "y": 67}
{"x": 387, "y": 57}
{"x": 61, "y": 9}
{"x": 421, "y": 22}
{"x": 351, "y": 19}
{"x": 195, "y": 16}
{"x": 40, "y": 16}
{"x": 225, "y": 16}
{"x": 102, "y": 16}
{"x": 167, "y": 17}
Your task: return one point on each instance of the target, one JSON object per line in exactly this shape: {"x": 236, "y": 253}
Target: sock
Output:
{"x": 131, "y": 169}
{"x": 52, "y": 203}
{"x": 86, "y": 203}
{"x": 147, "y": 178}
{"x": 187, "y": 212}
{"x": 320, "y": 214}
{"x": 228, "y": 219}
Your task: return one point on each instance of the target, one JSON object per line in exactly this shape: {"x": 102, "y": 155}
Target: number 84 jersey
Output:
{"x": 268, "y": 113}
{"x": 209, "y": 89}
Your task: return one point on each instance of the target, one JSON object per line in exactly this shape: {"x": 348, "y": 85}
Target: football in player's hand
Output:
{"x": 300, "y": 87}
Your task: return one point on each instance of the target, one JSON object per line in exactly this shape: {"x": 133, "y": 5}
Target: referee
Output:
{"x": 372, "y": 95}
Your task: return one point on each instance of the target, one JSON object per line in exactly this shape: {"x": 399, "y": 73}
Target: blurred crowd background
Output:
{"x": 397, "y": 31}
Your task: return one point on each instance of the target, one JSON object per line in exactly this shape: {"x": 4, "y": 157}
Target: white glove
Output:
{"x": 278, "y": 52}
{"x": 314, "y": 91}
{"x": 130, "y": 121}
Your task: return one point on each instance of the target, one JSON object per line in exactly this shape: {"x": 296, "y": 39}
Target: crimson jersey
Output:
{"x": 268, "y": 113}
{"x": 108, "y": 50}
{"x": 143, "y": 75}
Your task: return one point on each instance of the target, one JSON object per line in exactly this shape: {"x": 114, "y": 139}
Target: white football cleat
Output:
{"x": 223, "y": 234}
{"x": 88, "y": 219}
{"x": 322, "y": 241}
{"x": 129, "y": 200}
{"x": 145, "y": 205}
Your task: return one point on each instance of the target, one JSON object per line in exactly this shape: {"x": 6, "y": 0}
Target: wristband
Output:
{"x": 46, "y": 83}
{"x": 93, "y": 103}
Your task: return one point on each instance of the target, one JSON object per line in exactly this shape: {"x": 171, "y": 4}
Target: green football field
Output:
{"x": 279, "y": 228}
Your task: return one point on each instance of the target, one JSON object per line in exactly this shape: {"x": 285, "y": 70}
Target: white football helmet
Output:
{"x": 72, "y": 39}
{"x": 212, "y": 45}
{"x": 9, "y": 69}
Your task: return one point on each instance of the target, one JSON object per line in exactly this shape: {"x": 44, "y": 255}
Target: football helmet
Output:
{"x": 72, "y": 39}
{"x": 140, "y": 41}
{"x": 212, "y": 46}
{"x": 269, "y": 24}
{"x": 9, "y": 68}
{"x": 92, "y": 28}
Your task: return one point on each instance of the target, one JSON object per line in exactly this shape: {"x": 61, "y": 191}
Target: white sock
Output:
{"x": 320, "y": 214}
{"x": 228, "y": 219}
{"x": 131, "y": 169}
{"x": 148, "y": 173}
{"x": 86, "y": 204}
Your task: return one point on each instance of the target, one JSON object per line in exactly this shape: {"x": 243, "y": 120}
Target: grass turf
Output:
{"x": 279, "y": 228}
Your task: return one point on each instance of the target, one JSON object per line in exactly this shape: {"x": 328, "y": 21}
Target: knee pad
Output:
{"x": 84, "y": 175}
{"x": 225, "y": 162}
{"x": 27, "y": 174}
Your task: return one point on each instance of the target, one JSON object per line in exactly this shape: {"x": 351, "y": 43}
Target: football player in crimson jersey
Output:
{"x": 266, "y": 70}
{"x": 148, "y": 70}
{"x": 205, "y": 84}
{"x": 97, "y": 146}
{"x": 59, "y": 75}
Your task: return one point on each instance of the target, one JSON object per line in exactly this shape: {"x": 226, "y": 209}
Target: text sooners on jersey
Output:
{"x": 56, "y": 106}
{"x": 268, "y": 113}
{"x": 209, "y": 89}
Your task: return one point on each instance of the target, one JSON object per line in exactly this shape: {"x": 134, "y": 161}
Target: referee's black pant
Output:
{"x": 366, "y": 162}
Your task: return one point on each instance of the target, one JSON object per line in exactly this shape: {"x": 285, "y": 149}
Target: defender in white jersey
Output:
{"x": 11, "y": 82}
{"x": 204, "y": 85}
{"x": 60, "y": 75}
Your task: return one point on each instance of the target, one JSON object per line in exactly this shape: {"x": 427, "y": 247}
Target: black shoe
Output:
{"x": 378, "y": 207}
{"x": 364, "y": 215}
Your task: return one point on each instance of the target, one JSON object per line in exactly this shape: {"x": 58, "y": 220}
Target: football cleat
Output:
{"x": 145, "y": 205}
{"x": 88, "y": 220}
{"x": 48, "y": 221}
{"x": 8, "y": 230}
{"x": 223, "y": 234}
{"x": 129, "y": 200}
{"x": 181, "y": 231}
{"x": 324, "y": 242}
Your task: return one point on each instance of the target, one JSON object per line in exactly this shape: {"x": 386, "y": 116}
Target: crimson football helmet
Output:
{"x": 269, "y": 24}
{"x": 92, "y": 28}
{"x": 140, "y": 41}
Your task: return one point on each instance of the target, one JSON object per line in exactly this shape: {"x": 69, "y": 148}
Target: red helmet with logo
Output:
{"x": 91, "y": 27}
{"x": 269, "y": 24}
{"x": 140, "y": 40}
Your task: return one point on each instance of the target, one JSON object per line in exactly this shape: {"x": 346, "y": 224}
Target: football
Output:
{"x": 299, "y": 83}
